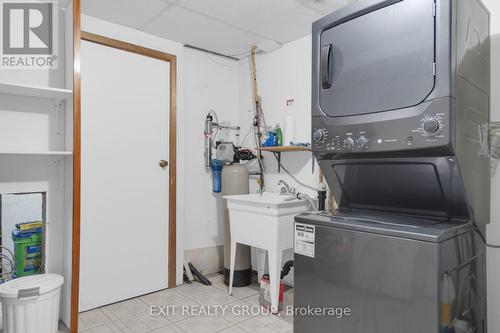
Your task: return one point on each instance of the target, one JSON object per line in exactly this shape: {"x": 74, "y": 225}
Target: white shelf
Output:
{"x": 34, "y": 91}
{"x": 37, "y": 153}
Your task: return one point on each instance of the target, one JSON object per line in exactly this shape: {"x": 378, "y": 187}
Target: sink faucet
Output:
{"x": 286, "y": 189}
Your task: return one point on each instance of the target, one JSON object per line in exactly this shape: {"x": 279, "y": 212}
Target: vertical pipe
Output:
{"x": 208, "y": 141}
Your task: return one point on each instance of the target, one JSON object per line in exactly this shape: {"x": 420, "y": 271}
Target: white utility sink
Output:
{"x": 264, "y": 221}
{"x": 274, "y": 204}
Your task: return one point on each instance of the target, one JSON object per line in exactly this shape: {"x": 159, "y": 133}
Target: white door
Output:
{"x": 124, "y": 204}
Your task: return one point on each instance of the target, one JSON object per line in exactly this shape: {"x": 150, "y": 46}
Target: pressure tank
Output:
{"x": 235, "y": 181}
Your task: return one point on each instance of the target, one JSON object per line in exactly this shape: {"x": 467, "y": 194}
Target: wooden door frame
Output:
{"x": 75, "y": 253}
{"x": 172, "y": 204}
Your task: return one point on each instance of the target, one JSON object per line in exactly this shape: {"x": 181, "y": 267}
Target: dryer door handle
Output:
{"x": 327, "y": 64}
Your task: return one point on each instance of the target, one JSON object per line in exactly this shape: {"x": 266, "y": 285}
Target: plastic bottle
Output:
{"x": 270, "y": 138}
{"x": 289, "y": 130}
{"x": 279, "y": 135}
{"x": 322, "y": 196}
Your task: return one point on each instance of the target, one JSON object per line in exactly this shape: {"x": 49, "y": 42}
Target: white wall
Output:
{"x": 210, "y": 82}
{"x": 93, "y": 25}
{"x": 493, "y": 234}
{"x": 282, "y": 75}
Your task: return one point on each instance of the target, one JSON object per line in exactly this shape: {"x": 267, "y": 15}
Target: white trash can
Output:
{"x": 31, "y": 304}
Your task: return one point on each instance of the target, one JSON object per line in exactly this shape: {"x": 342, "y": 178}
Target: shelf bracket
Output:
{"x": 58, "y": 106}
{"x": 278, "y": 157}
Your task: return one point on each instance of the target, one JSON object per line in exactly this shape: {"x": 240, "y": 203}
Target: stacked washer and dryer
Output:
{"x": 400, "y": 117}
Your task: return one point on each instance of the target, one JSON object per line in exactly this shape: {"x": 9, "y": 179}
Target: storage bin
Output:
{"x": 31, "y": 304}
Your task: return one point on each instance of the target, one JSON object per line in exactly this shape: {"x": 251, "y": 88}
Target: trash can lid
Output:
{"x": 44, "y": 282}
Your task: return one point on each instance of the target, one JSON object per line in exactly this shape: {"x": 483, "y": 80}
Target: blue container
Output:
{"x": 217, "y": 175}
{"x": 270, "y": 140}
{"x": 18, "y": 234}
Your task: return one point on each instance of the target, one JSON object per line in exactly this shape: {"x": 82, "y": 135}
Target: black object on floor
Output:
{"x": 241, "y": 278}
{"x": 286, "y": 268}
{"x": 199, "y": 276}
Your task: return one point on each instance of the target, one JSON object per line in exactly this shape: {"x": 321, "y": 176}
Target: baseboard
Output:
{"x": 207, "y": 260}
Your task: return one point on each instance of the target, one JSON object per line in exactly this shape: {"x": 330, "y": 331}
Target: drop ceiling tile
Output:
{"x": 281, "y": 20}
{"x": 185, "y": 26}
{"x": 132, "y": 13}
{"x": 324, "y": 7}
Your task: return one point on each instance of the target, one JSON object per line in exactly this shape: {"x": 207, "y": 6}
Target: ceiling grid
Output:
{"x": 228, "y": 27}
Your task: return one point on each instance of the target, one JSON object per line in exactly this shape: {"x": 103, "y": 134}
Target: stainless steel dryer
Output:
{"x": 400, "y": 114}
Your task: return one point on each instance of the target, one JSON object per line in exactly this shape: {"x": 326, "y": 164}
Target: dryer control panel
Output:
{"x": 425, "y": 131}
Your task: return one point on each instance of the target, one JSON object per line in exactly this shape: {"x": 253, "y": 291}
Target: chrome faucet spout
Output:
{"x": 282, "y": 182}
{"x": 286, "y": 189}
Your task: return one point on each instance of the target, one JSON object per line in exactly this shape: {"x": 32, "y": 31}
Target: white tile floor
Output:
{"x": 133, "y": 316}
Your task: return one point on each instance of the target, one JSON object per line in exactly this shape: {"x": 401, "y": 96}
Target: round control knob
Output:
{"x": 348, "y": 143}
{"x": 431, "y": 125}
{"x": 319, "y": 135}
{"x": 361, "y": 142}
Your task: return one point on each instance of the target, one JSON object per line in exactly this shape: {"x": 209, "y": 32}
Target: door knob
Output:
{"x": 163, "y": 163}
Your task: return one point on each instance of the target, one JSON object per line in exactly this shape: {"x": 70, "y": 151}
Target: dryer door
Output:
{"x": 380, "y": 61}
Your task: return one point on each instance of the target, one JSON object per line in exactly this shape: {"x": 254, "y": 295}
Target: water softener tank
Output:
{"x": 235, "y": 181}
